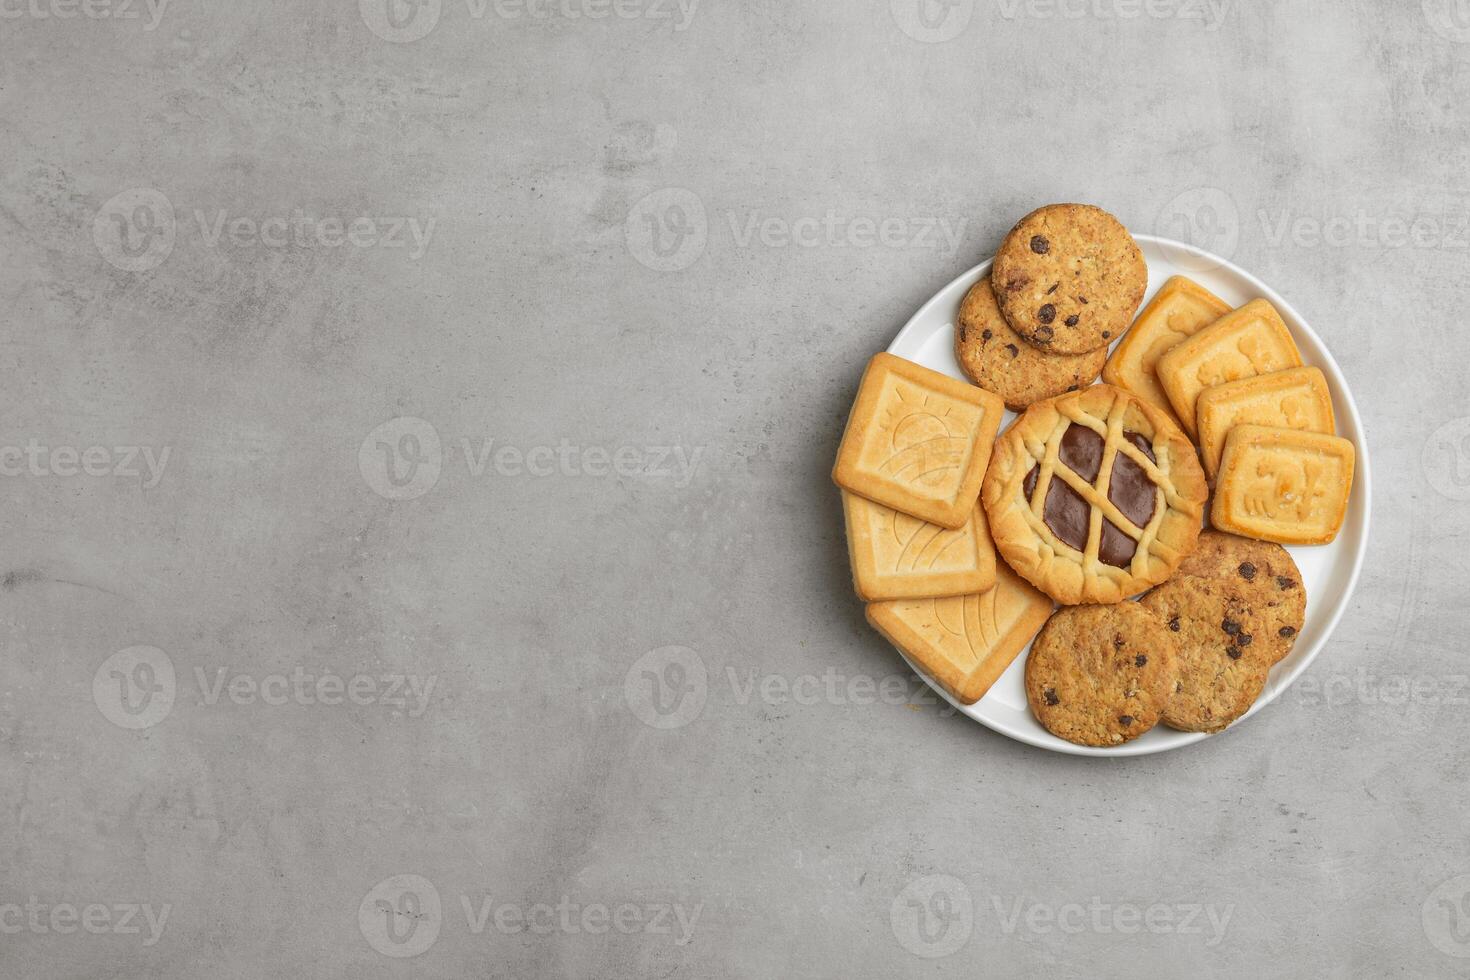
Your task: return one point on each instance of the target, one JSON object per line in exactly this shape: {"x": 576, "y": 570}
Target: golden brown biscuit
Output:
{"x": 1100, "y": 675}
{"x": 1069, "y": 277}
{"x": 917, "y": 441}
{"x": 965, "y": 642}
{"x": 895, "y": 556}
{"x": 997, "y": 359}
{"x": 1294, "y": 399}
{"x": 1250, "y": 341}
{"x": 1094, "y": 496}
{"x": 1179, "y": 310}
{"x": 1283, "y": 485}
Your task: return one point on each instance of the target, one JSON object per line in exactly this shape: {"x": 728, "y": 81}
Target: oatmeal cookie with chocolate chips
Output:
{"x": 1221, "y": 667}
{"x": 1101, "y": 675}
{"x": 997, "y": 359}
{"x": 1263, "y": 576}
{"x": 1069, "y": 278}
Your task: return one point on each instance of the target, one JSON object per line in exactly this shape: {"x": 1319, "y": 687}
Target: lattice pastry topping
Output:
{"x": 1094, "y": 496}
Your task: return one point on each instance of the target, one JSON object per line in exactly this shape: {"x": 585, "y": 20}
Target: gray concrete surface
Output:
{"x": 417, "y": 556}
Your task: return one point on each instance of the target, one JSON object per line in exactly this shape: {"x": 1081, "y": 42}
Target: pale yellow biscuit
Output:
{"x": 1250, "y": 341}
{"x": 1179, "y": 310}
{"x": 918, "y": 441}
{"x": 1295, "y": 399}
{"x": 895, "y": 556}
{"x": 965, "y": 642}
{"x": 1283, "y": 485}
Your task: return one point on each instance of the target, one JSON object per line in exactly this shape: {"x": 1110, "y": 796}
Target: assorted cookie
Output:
{"x": 1094, "y": 496}
{"x": 998, "y": 359}
{"x": 1069, "y": 278}
{"x": 1096, "y": 493}
{"x": 1101, "y": 675}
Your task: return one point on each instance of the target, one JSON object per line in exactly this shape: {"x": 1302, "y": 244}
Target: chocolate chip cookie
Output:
{"x": 997, "y": 359}
{"x": 1221, "y": 669}
{"x": 1069, "y": 278}
{"x": 1101, "y": 675}
{"x": 1263, "y": 576}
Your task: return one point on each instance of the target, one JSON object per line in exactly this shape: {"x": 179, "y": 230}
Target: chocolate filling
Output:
{"x": 1067, "y": 513}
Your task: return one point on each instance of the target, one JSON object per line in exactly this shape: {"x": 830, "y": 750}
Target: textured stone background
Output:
{"x": 587, "y": 416}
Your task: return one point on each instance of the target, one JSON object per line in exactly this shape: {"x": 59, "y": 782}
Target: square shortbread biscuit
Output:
{"x": 1295, "y": 399}
{"x": 1178, "y": 311}
{"x": 918, "y": 441}
{"x": 965, "y": 642}
{"x": 895, "y": 556}
{"x": 1283, "y": 485}
{"x": 1250, "y": 341}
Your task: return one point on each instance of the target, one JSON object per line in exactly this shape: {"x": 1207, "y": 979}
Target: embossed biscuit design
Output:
{"x": 1250, "y": 341}
{"x": 1283, "y": 485}
{"x": 1295, "y": 399}
{"x": 895, "y": 556}
{"x": 1179, "y": 310}
{"x": 918, "y": 441}
{"x": 965, "y": 642}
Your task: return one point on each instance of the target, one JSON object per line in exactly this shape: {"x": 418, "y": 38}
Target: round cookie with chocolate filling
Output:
{"x": 997, "y": 359}
{"x": 1069, "y": 278}
{"x": 1094, "y": 496}
{"x": 1263, "y": 577}
{"x": 1100, "y": 675}
{"x": 1221, "y": 669}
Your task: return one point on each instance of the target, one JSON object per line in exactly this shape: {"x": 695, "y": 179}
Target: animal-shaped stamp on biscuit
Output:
{"x": 1295, "y": 399}
{"x": 1283, "y": 485}
{"x": 965, "y": 642}
{"x": 895, "y": 556}
{"x": 918, "y": 441}
{"x": 1250, "y": 341}
{"x": 1179, "y": 310}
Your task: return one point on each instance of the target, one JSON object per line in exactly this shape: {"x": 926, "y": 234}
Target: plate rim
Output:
{"x": 1363, "y": 483}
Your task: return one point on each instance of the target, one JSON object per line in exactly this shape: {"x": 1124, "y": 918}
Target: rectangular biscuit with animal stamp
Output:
{"x": 895, "y": 556}
{"x": 918, "y": 441}
{"x": 1178, "y": 311}
{"x": 1249, "y": 341}
{"x": 1283, "y": 485}
{"x": 965, "y": 642}
{"x": 1294, "y": 399}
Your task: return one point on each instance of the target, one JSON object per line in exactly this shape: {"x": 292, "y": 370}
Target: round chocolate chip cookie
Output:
{"x": 1221, "y": 669}
{"x": 1069, "y": 278}
{"x": 1094, "y": 496}
{"x": 1263, "y": 576}
{"x": 1100, "y": 675}
{"x": 997, "y": 359}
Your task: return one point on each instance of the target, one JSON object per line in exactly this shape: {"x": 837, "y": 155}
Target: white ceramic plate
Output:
{"x": 1329, "y": 572}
